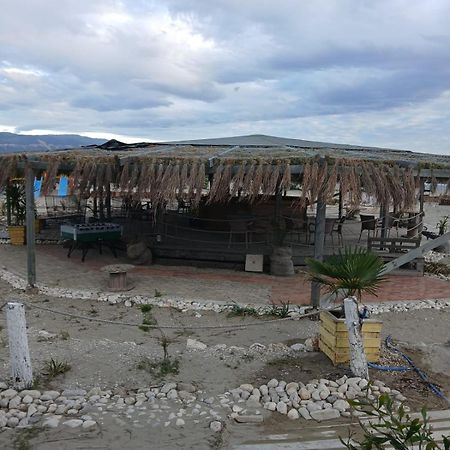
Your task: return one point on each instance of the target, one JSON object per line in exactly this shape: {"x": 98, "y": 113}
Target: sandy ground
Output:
{"x": 107, "y": 355}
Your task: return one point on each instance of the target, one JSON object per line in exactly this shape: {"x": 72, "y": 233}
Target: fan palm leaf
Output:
{"x": 354, "y": 270}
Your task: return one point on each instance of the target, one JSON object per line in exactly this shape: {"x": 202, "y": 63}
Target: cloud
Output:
{"x": 336, "y": 70}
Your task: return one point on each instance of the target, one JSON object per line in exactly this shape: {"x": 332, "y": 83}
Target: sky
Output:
{"x": 365, "y": 72}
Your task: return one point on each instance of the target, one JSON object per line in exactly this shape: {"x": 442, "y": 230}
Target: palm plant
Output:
{"x": 354, "y": 271}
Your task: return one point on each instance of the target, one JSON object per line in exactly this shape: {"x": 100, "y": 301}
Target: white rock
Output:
{"x": 257, "y": 418}
{"x": 298, "y": 347}
{"x": 88, "y": 424}
{"x": 31, "y": 410}
{"x": 273, "y": 383}
{"x": 27, "y": 399}
{"x": 271, "y": 406}
{"x": 282, "y": 408}
{"x": 341, "y": 405}
{"x": 264, "y": 389}
{"x": 9, "y": 394}
{"x": 13, "y": 422}
{"x": 168, "y": 387}
{"x": 130, "y": 400}
{"x": 172, "y": 394}
{"x": 52, "y": 395}
{"x": 215, "y": 426}
{"x": 293, "y": 414}
{"x": 31, "y": 392}
{"x": 304, "y": 413}
{"x": 73, "y": 423}
{"x": 193, "y": 344}
{"x": 179, "y": 423}
{"x": 325, "y": 414}
{"x": 14, "y": 402}
{"x": 246, "y": 387}
{"x": 304, "y": 394}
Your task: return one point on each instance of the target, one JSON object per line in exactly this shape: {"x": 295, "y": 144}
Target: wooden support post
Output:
{"x": 421, "y": 204}
{"x": 8, "y": 203}
{"x": 108, "y": 202}
{"x": 341, "y": 204}
{"x": 19, "y": 354}
{"x": 30, "y": 226}
{"x": 358, "y": 360}
{"x": 384, "y": 214}
{"x": 319, "y": 243}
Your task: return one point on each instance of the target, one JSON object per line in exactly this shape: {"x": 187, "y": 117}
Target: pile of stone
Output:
{"x": 28, "y": 407}
{"x": 185, "y": 305}
{"x": 319, "y": 399}
{"x": 169, "y": 402}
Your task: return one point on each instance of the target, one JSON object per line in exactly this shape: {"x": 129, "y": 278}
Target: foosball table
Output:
{"x": 86, "y": 236}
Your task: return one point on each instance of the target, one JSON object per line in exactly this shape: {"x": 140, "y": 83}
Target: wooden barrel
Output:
{"x": 281, "y": 262}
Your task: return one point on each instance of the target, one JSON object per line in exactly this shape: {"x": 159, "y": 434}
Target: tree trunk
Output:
{"x": 358, "y": 360}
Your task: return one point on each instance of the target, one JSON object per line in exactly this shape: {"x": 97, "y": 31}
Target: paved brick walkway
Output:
{"x": 55, "y": 269}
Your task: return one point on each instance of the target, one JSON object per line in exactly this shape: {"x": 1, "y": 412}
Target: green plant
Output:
{"x": 15, "y": 199}
{"x": 64, "y": 335}
{"x": 393, "y": 427}
{"x": 158, "y": 293}
{"x": 281, "y": 310}
{"x": 146, "y": 308}
{"x": 53, "y": 367}
{"x": 238, "y": 310}
{"x": 160, "y": 368}
{"x": 442, "y": 225}
{"x": 355, "y": 270}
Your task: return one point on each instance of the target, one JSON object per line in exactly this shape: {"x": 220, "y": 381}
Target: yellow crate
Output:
{"x": 334, "y": 338}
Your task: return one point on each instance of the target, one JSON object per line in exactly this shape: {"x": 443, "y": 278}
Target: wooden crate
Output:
{"x": 334, "y": 338}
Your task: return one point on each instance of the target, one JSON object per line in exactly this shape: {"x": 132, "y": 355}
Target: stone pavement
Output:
{"x": 54, "y": 269}
{"x": 326, "y": 437}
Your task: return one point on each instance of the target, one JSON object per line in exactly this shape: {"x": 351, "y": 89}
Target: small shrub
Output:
{"x": 64, "y": 335}
{"x": 160, "y": 368}
{"x": 53, "y": 367}
{"x": 146, "y": 308}
{"x": 158, "y": 293}
{"x": 281, "y": 310}
{"x": 393, "y": 427}
{"x": 242, "y": 311}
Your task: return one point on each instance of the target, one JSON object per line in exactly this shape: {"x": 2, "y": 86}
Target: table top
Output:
{"x": 117, "y": 268}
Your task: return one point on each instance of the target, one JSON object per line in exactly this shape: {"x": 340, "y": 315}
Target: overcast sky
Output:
{"x": 348, "y": 71}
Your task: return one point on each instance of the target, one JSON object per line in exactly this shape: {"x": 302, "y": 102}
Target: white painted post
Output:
{"x": 19, "y": 354}
{"x": 358, "y": 360}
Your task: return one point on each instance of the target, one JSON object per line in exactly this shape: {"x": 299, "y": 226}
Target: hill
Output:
{"x": 12, "y": 143}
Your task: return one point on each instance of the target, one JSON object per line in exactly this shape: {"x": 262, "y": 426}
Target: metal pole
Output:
{"x": 30, "y": 226}
{"x": 19, "y": 353}
{"x": 319, "y": 243}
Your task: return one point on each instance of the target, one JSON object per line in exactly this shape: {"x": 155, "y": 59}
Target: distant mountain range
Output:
{"x": 16, "y": 143}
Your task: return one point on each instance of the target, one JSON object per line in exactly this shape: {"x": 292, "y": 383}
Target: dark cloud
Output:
{"x": 177, "y": 68}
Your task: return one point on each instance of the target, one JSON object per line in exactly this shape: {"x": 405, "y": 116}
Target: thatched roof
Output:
{"x": 163, "y": 172}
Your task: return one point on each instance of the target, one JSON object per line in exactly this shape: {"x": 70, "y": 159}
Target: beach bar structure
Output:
{"x": 222, "y": 199}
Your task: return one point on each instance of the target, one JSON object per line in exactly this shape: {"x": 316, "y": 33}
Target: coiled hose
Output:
{"x": 411, "y": 366}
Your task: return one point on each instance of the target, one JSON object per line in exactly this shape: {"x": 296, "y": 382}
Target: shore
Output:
{"x": 108, "y": 356}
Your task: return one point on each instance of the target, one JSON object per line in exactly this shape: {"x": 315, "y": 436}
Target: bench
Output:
{"x": 391, "y": 248}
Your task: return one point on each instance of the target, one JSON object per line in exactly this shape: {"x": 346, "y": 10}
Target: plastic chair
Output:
{"x": 368, "y": 223}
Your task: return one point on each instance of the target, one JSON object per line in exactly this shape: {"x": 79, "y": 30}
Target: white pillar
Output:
{"x": 19, "y": 354}
{"x": 358, "y": 360}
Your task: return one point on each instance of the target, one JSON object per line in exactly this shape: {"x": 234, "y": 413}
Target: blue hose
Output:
{"x": 412, "y": 366}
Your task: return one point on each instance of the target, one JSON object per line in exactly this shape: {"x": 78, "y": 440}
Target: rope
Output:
{"x": 412, "y": 366}
{"x": 175, "y": 327}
